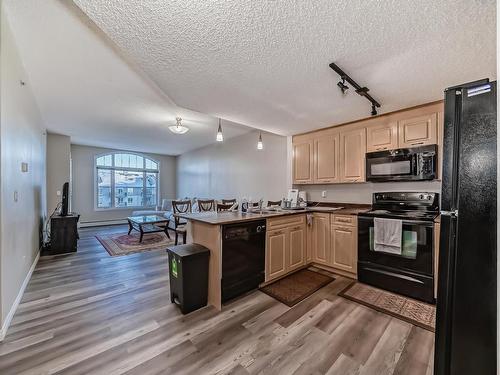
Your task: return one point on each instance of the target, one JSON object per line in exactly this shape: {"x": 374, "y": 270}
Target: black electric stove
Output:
{"x": 411, "y": 272}
{"x": 405, "y": 206}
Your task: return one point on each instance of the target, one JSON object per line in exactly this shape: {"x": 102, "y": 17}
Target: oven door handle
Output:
{"x": 409, "y": 222}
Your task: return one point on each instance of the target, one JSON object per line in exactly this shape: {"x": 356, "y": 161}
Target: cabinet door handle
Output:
{"x": 344, "y": 220}
{"x": 416, "y": 143}
{"x": 297, "y": 227}
{"x": 382, "y": 148}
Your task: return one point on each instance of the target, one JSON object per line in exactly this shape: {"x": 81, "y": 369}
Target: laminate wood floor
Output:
{"x": 89, "y": 313}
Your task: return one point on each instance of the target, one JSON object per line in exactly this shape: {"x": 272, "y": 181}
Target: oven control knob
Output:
{"x": 422, "y": 196}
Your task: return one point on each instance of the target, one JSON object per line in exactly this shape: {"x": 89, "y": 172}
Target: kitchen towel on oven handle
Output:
{"x": 387, "y": 235}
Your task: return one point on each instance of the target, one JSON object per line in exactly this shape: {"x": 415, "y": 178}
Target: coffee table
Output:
{"x": 148, "y": 224}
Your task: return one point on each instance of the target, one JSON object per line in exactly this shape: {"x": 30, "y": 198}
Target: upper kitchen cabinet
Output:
{"x": 418, "y": 131}
{"x": 303, "y": 162}
{"x": 326, "y": 159}
{"x": 382, "y": 137}
{"x": 352, "y": 155}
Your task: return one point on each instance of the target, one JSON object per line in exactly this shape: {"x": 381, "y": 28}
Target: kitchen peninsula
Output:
{"x": 286, "y": 239}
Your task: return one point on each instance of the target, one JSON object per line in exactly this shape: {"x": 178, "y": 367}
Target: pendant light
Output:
{"x": 219, "y": 137}
{"x": 260, "y": 145}
{"x": 178, "y": 128}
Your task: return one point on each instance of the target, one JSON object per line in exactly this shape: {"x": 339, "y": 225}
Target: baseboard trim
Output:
{"x": 10, "y": 315}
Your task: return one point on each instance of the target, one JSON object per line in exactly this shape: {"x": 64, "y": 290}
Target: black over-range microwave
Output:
{"x": 404, "y": 164}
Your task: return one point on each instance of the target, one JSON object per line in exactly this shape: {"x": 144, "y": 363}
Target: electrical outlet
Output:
{"x": 58, "y": 193}
{"x": 323, "y": 194}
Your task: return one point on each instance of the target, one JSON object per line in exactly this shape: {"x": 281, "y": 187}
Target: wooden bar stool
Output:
{"x": 206, "y": 205}
{"x": 224, "y": 206}
{"x": 273, "y": 203}
{"x": 180, "y": 207}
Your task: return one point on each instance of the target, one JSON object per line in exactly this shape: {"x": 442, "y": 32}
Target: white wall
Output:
{"x": 362, "y": 193}
{"x": 235, "y": 169}
{"x": 58, "y": 167}
{"x": 82, "y": 158}
{"x": 22, "y": 141}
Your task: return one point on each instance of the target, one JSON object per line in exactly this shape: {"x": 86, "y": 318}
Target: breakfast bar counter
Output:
{"x": 206, "y": 228}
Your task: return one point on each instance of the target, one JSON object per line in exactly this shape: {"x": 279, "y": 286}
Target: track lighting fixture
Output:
{"x": 363, "y": 91}
{"x": 343, "y": 87}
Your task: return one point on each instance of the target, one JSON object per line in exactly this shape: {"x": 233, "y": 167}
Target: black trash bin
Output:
{"x": 188, "y": 268}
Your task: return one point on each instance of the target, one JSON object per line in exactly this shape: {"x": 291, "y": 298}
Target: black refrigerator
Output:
{"x": 467, "y": 288}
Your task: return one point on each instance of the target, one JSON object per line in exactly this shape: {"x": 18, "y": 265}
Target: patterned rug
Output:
{"x": 415, "y": 312}
{"x": 294, "y": 288}
{"x": 117, "y": 244}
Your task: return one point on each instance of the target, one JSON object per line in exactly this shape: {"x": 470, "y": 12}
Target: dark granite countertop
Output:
{"x": 220, "y": 218}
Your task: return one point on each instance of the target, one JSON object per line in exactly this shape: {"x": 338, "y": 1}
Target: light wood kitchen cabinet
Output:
{"x": 418, "y": 131}
{"x": 321, "y": 238}
{"x": 303, "y": 154}
{"x": 382, "y": 137}
{"x": 326, "y": 159}
{"x": 296, "y": 248}
{"x": 344, "y": 248}
{"x": 352, "y": 155}
{"x": 286, "y": 243}
{"x": 276, "y": 250}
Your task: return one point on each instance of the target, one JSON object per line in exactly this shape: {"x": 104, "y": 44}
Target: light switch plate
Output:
{"x": 323, "y": 194}
{"x": 16, "y": 196}
{"x": 24, "y": 167}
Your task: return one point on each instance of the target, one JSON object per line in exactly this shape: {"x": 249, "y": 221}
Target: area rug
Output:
{"x": 292, "y": 289}
{"x": 118, "y": 244}
{"x": 415, "y": 312}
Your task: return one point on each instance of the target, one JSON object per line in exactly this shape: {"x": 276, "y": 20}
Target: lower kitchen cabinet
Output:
{"x": 334, "y": 242}
{"x": 297, "y": 247}
{"x": 344, "y": 248}
{"x": 276, "y": 248}
{"x": 321, "y": 238}
{"x": 285, "y": 246}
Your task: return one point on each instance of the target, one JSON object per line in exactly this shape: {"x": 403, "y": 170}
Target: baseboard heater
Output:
{"x": 98, "y": 223}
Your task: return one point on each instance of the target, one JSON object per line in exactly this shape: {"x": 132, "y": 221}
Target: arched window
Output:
{"x": 126, "y": 180}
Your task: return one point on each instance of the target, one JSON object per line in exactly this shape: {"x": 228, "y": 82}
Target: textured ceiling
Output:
{"x": 85, "y": 87}
{"x": 265, "y": 63}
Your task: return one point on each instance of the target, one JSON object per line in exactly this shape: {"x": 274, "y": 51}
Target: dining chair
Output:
{"x": 273, "y": 203}
{"x": 206, "y": 205}
{"x": 224, "y": 206}
{"x": 180, "y": 207}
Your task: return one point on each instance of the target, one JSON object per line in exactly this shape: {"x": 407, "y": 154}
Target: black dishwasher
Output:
{"x": 243, "y": 257}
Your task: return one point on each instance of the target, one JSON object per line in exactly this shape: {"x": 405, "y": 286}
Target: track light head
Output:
{"x": 374, "y": 110}
{"x": 343, "y": 87}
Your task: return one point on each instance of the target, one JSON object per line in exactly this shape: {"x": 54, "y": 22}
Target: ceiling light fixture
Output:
{"x": 363, "y": 91}
{"x": 219, "y": 137}
{"x": 260, "y": 145}
{"x": 178, "y": 128}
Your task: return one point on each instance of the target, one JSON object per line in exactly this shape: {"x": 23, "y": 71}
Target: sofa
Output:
{"x": 164, "y": 210}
